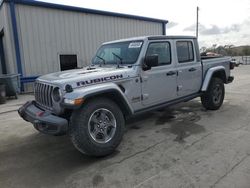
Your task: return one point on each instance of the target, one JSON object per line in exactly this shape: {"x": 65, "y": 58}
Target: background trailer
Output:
{"x": 38, "y": 38}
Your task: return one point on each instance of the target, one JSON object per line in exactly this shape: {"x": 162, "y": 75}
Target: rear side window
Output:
{"x": 185, "y": 51}
{"x": 162, "y": 49}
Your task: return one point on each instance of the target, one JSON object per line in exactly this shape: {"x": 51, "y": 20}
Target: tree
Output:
{"x": 214, "y": 46}
{"x": 203, "y": 49}
{"x": 246, "y": 50}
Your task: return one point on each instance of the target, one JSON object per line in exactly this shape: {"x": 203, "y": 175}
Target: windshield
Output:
{"x": 122, "y": 53}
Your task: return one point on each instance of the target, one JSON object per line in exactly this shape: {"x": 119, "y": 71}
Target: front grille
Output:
{"x": 43, "y": 95}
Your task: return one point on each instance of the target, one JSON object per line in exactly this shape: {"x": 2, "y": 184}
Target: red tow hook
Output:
{"x": 39, "y": 114}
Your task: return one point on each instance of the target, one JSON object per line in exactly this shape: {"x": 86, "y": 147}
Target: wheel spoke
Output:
{"x": 103, "y": 116}
{"x": 95, "y": 132}
{"x": 110, "y": 125}
{"x": 105, "y": 135}
{"x": 217, "y": 94}
{"x": 220, "y": 93}
{"x": 94, "y": 119}
{"x": 215, "y": 91}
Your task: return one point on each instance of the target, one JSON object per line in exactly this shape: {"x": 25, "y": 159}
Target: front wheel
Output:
{"x": 213, "y": 98}
{"x": 97, "y": 127}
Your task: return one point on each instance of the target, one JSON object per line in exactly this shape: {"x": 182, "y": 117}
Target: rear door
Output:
{"x": 159, "y": 83}
{"x": 189, "y": 68}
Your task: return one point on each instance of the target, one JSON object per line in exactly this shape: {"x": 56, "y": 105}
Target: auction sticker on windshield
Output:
{"x": 135, "y": 45}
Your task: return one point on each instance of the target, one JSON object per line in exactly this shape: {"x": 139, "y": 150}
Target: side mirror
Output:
{"x": 150, "y": 61}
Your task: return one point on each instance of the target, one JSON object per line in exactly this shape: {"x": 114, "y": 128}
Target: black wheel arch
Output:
{"x": 115, "y": 96}
{"x": 221, "y": 74}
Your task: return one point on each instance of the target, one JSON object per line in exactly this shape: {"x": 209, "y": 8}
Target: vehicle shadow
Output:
{"x": 182, "y": 119}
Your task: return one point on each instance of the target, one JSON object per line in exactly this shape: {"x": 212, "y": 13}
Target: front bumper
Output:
{"x": 42, "y": 120}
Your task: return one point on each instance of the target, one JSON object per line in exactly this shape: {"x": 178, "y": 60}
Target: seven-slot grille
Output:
{"x": 43, "y": 94}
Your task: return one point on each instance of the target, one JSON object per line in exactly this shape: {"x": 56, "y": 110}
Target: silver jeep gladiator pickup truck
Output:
{"x": 126, "y": 77}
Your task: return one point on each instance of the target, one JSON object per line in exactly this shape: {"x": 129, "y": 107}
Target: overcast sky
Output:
{"x": 221, "y": 21}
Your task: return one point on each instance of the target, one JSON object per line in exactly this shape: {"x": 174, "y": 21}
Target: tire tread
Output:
{"x": 78, "y": 128}
{"x": 206, "y": 98}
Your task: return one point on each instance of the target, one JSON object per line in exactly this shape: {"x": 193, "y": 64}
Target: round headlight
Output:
{"x": 56, "y": 94}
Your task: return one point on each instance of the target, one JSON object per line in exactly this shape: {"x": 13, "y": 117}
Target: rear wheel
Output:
{"x": 213, "y": 98}
{"x": 97, "y": 128}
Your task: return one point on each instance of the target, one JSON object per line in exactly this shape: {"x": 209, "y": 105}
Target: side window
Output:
{"x": 185, "y": 51}
{"x": 162, "y": 49}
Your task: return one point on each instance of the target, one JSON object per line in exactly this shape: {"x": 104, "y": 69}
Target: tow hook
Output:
{"x": 40, "y": 125}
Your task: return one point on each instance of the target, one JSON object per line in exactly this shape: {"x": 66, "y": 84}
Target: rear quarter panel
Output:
{"x": 213, "y": 62}
{"x": 212, "y": 65}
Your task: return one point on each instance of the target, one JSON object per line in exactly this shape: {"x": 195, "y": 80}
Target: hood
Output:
{"x": 85, "y": 76}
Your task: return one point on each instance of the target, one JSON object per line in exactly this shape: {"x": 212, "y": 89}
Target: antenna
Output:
{"x": 197, "y": 22}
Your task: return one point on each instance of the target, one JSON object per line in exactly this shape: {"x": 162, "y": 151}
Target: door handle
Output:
{"x": 171, "y": 73}
{"x": 192, "y": 69}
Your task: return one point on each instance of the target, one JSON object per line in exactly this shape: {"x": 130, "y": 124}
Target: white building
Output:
{"x": 37, "y": 37}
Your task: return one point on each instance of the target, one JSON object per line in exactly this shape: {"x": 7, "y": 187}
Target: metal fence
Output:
{"x": 244, "y": 60}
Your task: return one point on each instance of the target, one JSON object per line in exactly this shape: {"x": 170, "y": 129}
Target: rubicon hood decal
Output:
{"x": 99, "y": 80}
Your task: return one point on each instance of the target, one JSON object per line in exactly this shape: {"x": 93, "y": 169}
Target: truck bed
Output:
{"x": 208, "y": 63}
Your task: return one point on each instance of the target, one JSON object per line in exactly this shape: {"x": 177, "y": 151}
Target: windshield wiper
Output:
{"x": 103, "y": 60}
{"x": 118, "y": 58}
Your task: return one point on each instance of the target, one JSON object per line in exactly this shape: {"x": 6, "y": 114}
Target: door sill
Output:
{"x": 166, "y": 104}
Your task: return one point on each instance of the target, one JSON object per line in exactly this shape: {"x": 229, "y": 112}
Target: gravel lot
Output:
{"x": 181, "y": 146}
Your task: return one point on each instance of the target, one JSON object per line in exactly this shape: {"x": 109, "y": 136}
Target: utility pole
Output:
{"x": 197, "y": 22}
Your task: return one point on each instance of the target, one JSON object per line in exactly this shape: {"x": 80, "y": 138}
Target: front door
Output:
{"x": 159, "y": 83}
{"x": 2, "y": 57}
{"x": 189, "y": 78}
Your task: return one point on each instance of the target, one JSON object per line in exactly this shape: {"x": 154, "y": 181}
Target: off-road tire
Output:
{"x": 79, "y": 132}
{"x": 208, "y": 98}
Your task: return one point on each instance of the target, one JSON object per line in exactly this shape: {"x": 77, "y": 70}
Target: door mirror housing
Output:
{"x": 150, "y": 61}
